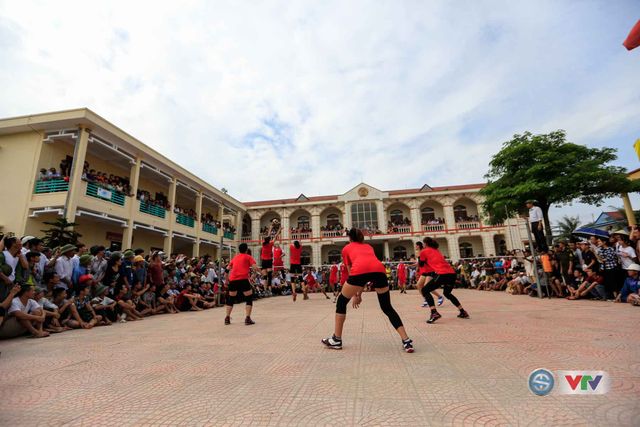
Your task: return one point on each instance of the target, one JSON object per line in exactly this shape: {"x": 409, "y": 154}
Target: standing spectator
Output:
{"x": 81, "y": 249}
{"x": 565, "y": 259}
{"x": 64, "y": 267}
{"x": 98, "y": 264}
{"x": 626, "y": 254}
{"x": 610, "y": 267}
{"x": 156, "y": 274}
{"x": 536, "y": 220}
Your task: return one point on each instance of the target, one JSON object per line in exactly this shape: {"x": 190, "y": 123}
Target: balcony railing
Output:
{"x": 433, "y": 227}
{"x": 467, "y": 225}
{"x": 245, "y": 238}
{"x": 151, "y": 209}
{"x": 331, "y": 233}
{"x": 185, "y": 220}
{"x": 229, "y": 235}
{"x": 51, "y": 186}
{"x": 209, "y": 228}
{"x": 399, "y": 229}
{"x": 113, "y": 196}
{"x": 301, "y": 236}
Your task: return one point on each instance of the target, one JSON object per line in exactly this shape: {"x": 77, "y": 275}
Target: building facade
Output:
{"x": 119, "y": 191}
{"x": 394, "y": 221}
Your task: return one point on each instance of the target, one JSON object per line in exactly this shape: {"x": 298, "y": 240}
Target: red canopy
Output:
{"x": 633, "y": 39}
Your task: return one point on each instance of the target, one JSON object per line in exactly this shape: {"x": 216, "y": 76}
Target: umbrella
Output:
{"x": 588, "y": 232}
{"x": 633, "y": 39}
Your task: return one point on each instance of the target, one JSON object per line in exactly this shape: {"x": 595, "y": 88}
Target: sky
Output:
{"x": 273, "y": 99}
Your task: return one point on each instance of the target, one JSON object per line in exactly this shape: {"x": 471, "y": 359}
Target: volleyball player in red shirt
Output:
{"x": 344, "y": 273}
{"x": 240, "y": 266}
{"x": 402, "y": 277}
{"x": 444, "y": 275}
{"x": 425, "y": 274}
{"x": 266, "y": 260}
{"x": 295, "y": 269}
{"x": 333, "y": 279}
{"x": 364, "y": 267}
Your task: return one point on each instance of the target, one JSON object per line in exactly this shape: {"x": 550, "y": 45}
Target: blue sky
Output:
{"x": 312, "y": 97}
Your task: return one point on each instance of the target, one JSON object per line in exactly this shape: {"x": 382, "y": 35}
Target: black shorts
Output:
{"x": 266, "y": 263}
{"x": 443, "y": 280}
{"x": 295, "y": 269}
{"x": 430, "y": 274}
{"x": 242, "y": 285}
{"x": 379, "y": 280}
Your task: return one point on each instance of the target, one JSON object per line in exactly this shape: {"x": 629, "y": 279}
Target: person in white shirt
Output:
{"x": 25, "y": 314}
{"x": 626, "y": 254}
{"x": 12, "y": 256}
{"x": 64, "y": 266}
{"x": 536, "y": 220}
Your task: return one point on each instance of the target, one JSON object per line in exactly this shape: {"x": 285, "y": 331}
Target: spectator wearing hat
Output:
{"x": 24, "y": 315}
{"x": 103, "y": 305}
{"x": 98, "y": 264}
{"x": 26, "y": 244}
{"x": 536, "y": 221}
{"x": 140, "y": 270}
{"x": 81, "y": 270}
{"x": 64, "y": 267}
{"x": 127, "y": 274}
{"x": 630, "y": 291}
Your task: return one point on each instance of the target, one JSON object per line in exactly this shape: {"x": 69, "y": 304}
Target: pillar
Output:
{"x": 449, "y": 217}
{"x": 285, "y": 223}
{"x": 315, "y": 225}
{"x": 488, "y": 245}
{"x": 416, "y": 223}
{"x": 168, "y": 243}
{"x": 628, "y": 210}
{"x": 134, "y": 181}
{"x": 386, "y": 250}
{"x": 75, "y": 178}
{"x": 255, "y": 229}
{"x": 454, "y": 249}
{"x": 382, "y": 219}
{"x": 316, "y": 254}
{"x": 221, "y": 230}
{"x": 168, "y": 240}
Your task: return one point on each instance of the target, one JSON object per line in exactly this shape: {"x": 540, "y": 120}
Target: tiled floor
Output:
{"x": 190, "y": 369}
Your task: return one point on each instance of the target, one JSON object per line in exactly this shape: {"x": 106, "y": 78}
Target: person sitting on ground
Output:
{"x": 103, "y": 305}
{"x": 578, "y": 279}
{"x": 24, "y": 315}
{"x": 166, "y": 300}
{"x": 630, "y": 291}
{"x": 126, "y": 307}
{"x": 588, "y": 287}
{"x": 187, "y": 300}
{"x": 51, "y": 321}
{"x": 86, "y": 318}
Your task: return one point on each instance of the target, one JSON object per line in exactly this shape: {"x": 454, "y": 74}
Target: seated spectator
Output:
{"x": 631, "y": 289}
{"x": 103, "y": 305}
{"x": 84, "y": 316}
{"x": 187, "y": 300}
{"x": 165, "y": 299}
{"x": 24, "y": 315}
{"x": 588, "y": 287}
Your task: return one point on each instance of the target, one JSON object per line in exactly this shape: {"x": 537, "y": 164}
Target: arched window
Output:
{"x": 334, "y": 256}
{"x": 466, "y": 250}
{"x": 460, "y": 212}
{"x": 333, "y": 220}
{"x": 399, "y": 252}
{"x": 303, "y": 222}
{"x": 305, "y": 257}
{"x": 502, "y": 247}
{"x": 428, "y": 214}
{"x": 396, "y": 216}
{"x": 246, "y": 225}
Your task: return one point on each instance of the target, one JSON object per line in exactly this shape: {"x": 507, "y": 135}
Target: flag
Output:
{"x": 636, "y": 147}
{"x": 633, "y": 39}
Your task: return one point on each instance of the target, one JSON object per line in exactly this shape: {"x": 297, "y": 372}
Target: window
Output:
{"x": 364, "y": 216}
{"x": 333, "y": 220}
{"x": 399, "y": 252}
{"x": 466, "y": 250}
{"x": 334, "y": 256}
{"x": 396, "y": 216}
{"x": 460, "y": 212}
{"x": 303, "y": 222}
{"x": 502, "y": 247}
{"x": 428, "y": 214}
{"x": 305, "y": 257}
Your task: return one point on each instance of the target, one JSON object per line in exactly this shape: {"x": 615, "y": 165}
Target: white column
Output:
{"x": 488, "y": 245}
{"x": 315, "y": 225}
{"x": 255, "y": 228}
{"x": 382, "y": 219}
{"x": 316, "y": 255}
{"x": 454, "y": 249}
{"x": 386, "y": 250}
{"x": 415, "y": 220}
{"x": 449, "y": 217}
{"x": 286, "y": 227}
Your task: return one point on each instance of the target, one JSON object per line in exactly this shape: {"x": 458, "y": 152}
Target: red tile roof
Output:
{"x": 335, "y": 197}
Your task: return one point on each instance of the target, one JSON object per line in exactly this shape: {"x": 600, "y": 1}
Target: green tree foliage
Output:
{"x": 552, "y": 171}
{"x": 60, "y": 233}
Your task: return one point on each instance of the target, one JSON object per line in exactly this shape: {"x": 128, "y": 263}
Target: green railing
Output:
{"x": 185, "y": 220}
{"x": 98, "y": 192}
{"x": 154, "y": 210}
{"x": 209, "y": 228}
{"x": 229, "y": 235}
{"x": 51, "y": 186}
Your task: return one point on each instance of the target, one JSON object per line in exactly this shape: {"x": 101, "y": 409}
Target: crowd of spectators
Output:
{"x": 432, "y": 221}
{"x": 398, "y": 226}
{"x": 160, "y": 199}
{"x": 467, "y": 218}
{"x": 109, "y": 182}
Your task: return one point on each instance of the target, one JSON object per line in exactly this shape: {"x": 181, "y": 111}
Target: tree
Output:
{"x": 566, "y": 226}
{"x": 60, "y": 233}
{"x": 552, "y": 171}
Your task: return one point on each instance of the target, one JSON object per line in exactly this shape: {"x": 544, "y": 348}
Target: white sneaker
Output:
{"x": 425, "y": 304}
{"x": 122, "y": 318}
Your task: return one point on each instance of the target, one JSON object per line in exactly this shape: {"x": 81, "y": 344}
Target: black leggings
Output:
{"x": 384, "y": 300}
{"x": 447, "y": 281}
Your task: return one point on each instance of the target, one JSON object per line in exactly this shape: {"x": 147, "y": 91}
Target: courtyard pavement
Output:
{"x": 190, "y": 369}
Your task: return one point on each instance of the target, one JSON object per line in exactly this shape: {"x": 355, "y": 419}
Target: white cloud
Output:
{"x": 395, "y": 93}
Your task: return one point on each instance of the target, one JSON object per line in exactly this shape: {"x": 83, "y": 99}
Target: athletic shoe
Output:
{"x": 440, "y": 300}
{"x": 248, "y": 321}
{"x": 333, "y": 342}
{"x": 434, "y": 316}
{"x": 227, "y": 320}
{"x": 425, "y": 304}
{"x": 408, "y": 345}
{"x": 463, "y": 314}
{"x": 328, "y": 298}
{"x": 123, "y": 318}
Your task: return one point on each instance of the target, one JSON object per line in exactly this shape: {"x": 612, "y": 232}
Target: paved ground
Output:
{"x": 190, "y": 369}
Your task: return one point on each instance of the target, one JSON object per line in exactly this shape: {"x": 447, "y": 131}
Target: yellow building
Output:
{"x": 106, "y": 215}
{"x": 396, "y": 219}
{"x": 634, "y": 175}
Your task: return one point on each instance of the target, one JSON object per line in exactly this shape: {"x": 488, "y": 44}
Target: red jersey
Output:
{"x": 343, "y": 273}
{"x": 361, "y": 259}
{"x": 310, "y": 279}
{"x": 425, "y": 267}
{"x": 277, "y": 257}
{"x": 295, "y": 254}
{"x": 436, "y": 261}
{"x": 266, "y": 252}
{"x": 402, "y": 273}
{"x": 240, "y": 267}
{"x": 333, "y": 274}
